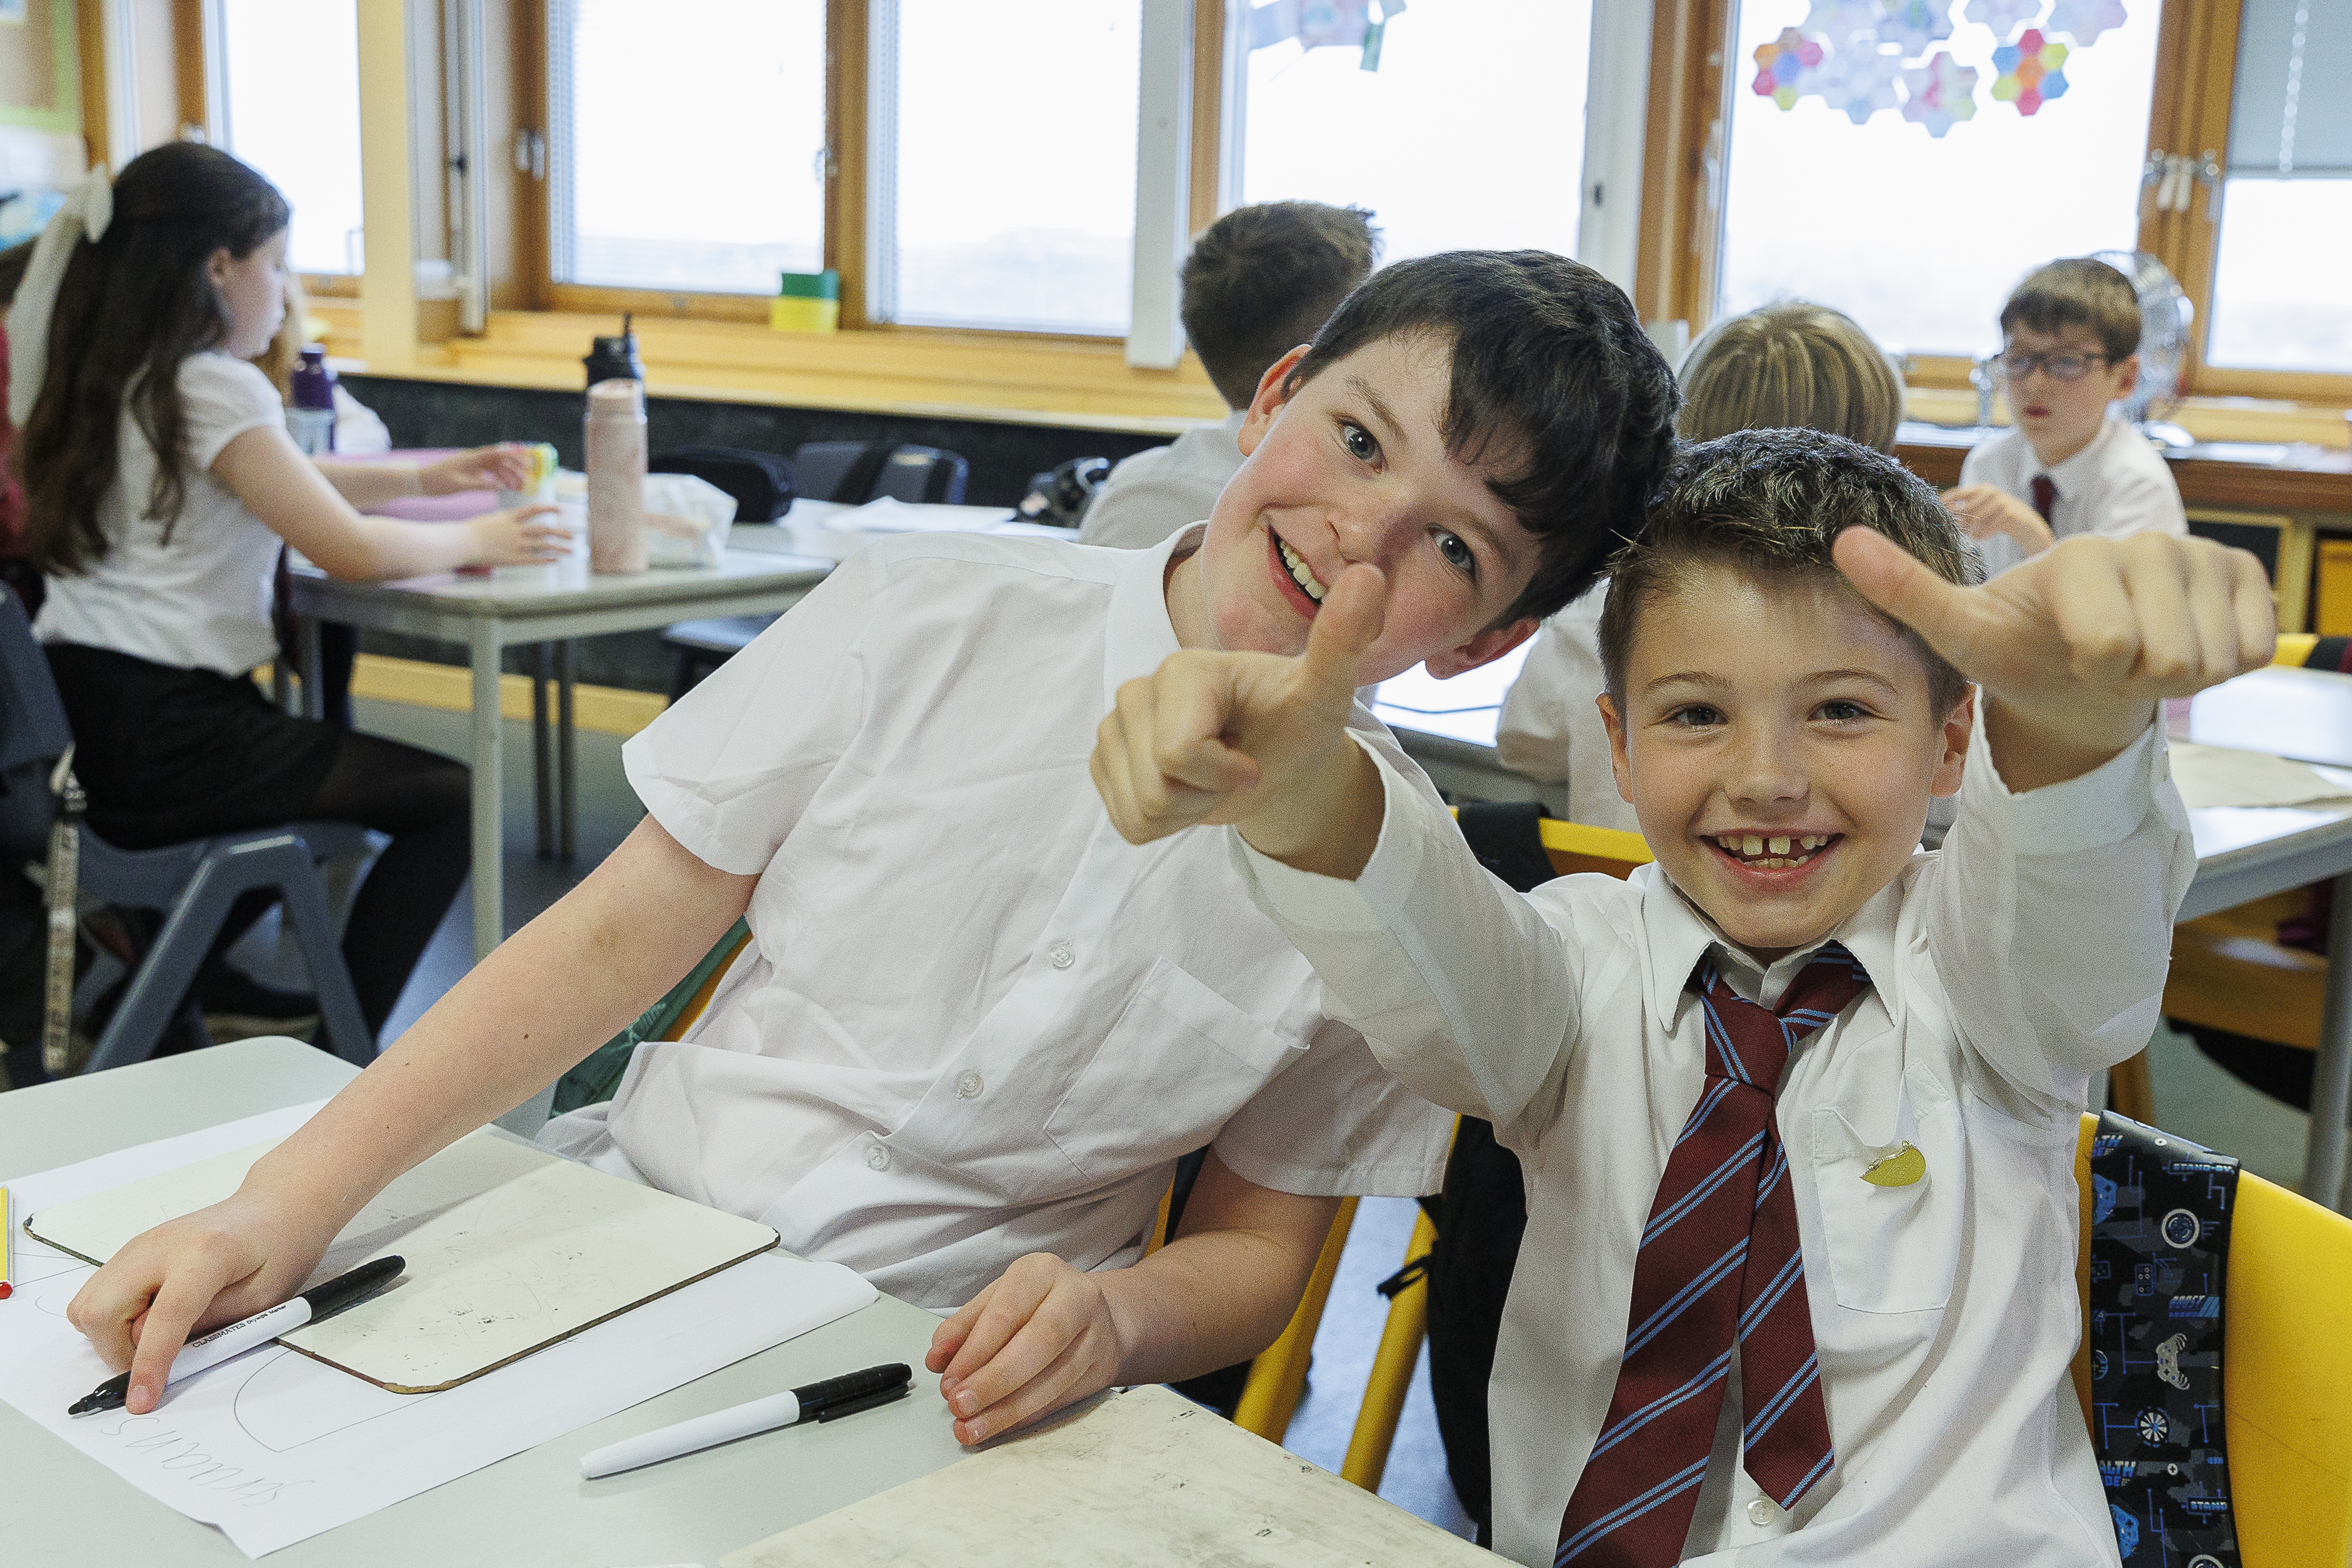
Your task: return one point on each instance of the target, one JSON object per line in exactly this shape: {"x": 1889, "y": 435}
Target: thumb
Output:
{"x": 1891, "y": 578}
{"x": 1350, "y": 622}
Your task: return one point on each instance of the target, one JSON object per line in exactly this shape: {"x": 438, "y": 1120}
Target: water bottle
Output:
{"x": 310, "y": 403}
{"x": 617, "y": 476}
{"x": 615, "y": 359}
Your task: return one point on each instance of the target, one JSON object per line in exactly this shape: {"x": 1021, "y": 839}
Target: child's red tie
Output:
{"x": 1718, "y": 1259}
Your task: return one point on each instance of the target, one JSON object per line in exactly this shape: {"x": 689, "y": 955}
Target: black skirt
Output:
{"x": 166, "y": 755}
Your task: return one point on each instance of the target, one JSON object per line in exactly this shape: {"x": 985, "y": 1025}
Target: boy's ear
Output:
{"x": 1959, "y": 724}
{"x": 1485, "y": 648}
{"x": 2125, "y": 372}
{"x": 1619, "y": 763}
{"x": 1272, "y": 395}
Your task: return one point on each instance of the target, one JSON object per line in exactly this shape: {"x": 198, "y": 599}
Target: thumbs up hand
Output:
{"x": 2072, "y": 648}
{"x": 1255, "y": 739}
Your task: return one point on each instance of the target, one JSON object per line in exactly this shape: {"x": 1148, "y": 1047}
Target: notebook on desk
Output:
{"x": 510, "y": 1247}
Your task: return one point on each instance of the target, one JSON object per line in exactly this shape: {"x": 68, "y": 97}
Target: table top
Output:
{"x": 510, "y": 591}
{"x": 531, "y": 1509}
{"x": 2265, "y": 475}
{"x": 2305, "y": 714}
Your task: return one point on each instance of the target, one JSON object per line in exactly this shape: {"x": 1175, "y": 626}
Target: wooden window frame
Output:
{"x": 1692, "y": 77}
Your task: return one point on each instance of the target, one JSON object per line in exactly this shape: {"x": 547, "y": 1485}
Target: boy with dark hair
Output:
{"x": 976, "y": 1029}
{"x": 2070, "y": 346}
{"x": 1259, "y": 282}
{"x": 1796, "y": 1103}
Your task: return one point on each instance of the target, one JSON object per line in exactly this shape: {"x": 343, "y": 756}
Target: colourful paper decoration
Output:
{"x": 1840, "y": 25}
{"x": 1344, "y": 22}
{"x": 2001, "y": 15}
{"x": 2084, "y": 21}
{"x": 1858, "y": 83}
{"x": 2029, "y": 71}
{"x": 1940, "y": 93}
{"x": 1783, "y": 67}
{"x": 1917, "y": 25}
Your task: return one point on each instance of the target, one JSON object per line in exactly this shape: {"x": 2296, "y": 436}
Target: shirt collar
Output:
{"x": 1141, "y": 636}
{"x": 2070, "y": 475}
{"x": 1679, "y": 934}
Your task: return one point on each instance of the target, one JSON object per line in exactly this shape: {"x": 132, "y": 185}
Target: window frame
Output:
{"x": 1691, "y": 81}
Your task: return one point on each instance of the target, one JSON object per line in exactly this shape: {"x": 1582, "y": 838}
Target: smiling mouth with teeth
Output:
{"x": 1295, "y": 565}
{"x": 1773, "y": 852}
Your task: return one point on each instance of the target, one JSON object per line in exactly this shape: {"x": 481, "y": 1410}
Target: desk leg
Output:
{"x": 490, "y": 890}
{"x": 2331, "y": 1083}
{"x": 314, "y": 692}
{"x": 567, "y": 755}
{"x": 542, "y": 778}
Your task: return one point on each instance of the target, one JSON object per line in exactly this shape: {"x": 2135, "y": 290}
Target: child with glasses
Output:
{"x": 2070, "y": 336}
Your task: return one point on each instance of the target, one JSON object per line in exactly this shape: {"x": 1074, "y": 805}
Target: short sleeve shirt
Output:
{"x": 196, "y": 596}
{"x": 976, "y": 1021}
{"x": 1158, "y": 492}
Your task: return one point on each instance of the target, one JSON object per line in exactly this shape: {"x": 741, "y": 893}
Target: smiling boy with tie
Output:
{"x": 1797, "y": 1104}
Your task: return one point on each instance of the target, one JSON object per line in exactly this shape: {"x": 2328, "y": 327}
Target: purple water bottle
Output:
{"x": 311, "y": 405}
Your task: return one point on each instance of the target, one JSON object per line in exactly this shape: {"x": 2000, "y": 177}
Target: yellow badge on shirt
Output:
{"x": 1900, "y": 1169}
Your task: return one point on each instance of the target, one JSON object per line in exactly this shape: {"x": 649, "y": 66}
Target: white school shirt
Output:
{"x": 1550, "y": 728}
{"x": 2115, "y": 486}
{"x": 2027, "y": 954}
{"x": 976, "y": 1021}
{"x": 202, "y": 601}
{"x": 1156, "y": 492}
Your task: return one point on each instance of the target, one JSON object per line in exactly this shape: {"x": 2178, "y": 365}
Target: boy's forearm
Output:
{"x": 1330, "y": 822}
{"x": 1212, "y": 1298}
{"x": 542, "y": 1000}
{"x": 2037, "y": 746}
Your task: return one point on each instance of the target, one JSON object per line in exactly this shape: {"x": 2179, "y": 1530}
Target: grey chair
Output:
{"x": 854, "y": 472}
{"x": 190, "y": 885}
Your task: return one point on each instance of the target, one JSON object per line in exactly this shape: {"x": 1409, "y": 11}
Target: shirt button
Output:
{"x": 877, "y": 1157}
{"x": 1763, "y": 1510}
{"x": 969, "y": 1086}
{"x": 1061, "y": 954}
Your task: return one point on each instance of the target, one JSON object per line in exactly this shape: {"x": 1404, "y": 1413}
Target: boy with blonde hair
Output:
{"x": 1796, "y": 1103}
{"x": 2070, "y": 347}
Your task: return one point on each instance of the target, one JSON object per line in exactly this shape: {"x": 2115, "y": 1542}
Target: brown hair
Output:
{"x": 1261, "y": 279}
{"x": 1770, "y": 503}
{"x": 130, "y": 310}
{"x": 1790, "y": 364}
{"x": 2079, "y": 292}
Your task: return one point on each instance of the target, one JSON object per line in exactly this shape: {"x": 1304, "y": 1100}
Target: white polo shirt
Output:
{"x": 976, "y": 1021}
{"x": 1550, "y": 728}
{"x": 2027, "y": 954}
{"x": 1156, "y": 492}
{"x": 201, "y": 599}
{"x": 2115, "y": 486}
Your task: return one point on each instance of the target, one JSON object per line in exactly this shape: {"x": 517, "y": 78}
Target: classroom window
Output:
{"x": 688, "y": 144}
{"x": 1840, "y": 190}
{"x": 291, "y": 72}
{"x": 1459, "y": 123}
{"x": 1001, "y": 164}
{"x": 2285, "y": 208}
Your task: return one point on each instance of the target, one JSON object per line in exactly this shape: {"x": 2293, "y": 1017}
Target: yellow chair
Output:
{"x": 2288, "y": 1377}
{"x": 1571, "y": 846}
{"x": 2294, "y": 648}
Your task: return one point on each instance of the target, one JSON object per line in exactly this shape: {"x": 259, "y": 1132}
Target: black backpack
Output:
{"x": 760, "y": 482}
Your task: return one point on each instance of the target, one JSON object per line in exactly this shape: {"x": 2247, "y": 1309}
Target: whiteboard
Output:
{"x": 509, "y": 1248}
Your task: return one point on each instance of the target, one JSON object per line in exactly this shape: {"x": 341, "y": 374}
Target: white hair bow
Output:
{"x": 85, "y": 215}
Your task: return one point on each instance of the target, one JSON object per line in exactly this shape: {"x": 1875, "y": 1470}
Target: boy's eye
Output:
{"x": 1839, "y": 711}
{"x": 1697, "y": 716}
{"x": 1358, "y": 442}
{"x": 1458, "y": 554}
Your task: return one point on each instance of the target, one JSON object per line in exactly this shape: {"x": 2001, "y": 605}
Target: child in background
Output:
{"x": 2070, "y": 342}
{"x": 1257, "y": 284}
{"x": 1788, "y": 364}
{"x": 976, "y": 1029}
{"x": 1798, "y": 1102}
{"x": 160, "y": 483}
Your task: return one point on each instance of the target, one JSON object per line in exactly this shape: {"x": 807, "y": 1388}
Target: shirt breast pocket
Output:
{"x": 1180, "y": 1061}
{"x": 1892, "y": 1248}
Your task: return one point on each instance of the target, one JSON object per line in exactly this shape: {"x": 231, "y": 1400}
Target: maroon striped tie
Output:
{"x": 1719, "y": 1260}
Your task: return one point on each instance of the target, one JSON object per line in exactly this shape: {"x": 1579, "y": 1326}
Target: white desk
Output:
{"x": 1448, "y": 727}
{"x": 533, "y": 1508}
{"x": 2243, "y": 853}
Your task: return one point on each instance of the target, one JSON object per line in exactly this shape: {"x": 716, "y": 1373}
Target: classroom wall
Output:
{"x": 40, "y": 68}
{"x": 442, "y": 413}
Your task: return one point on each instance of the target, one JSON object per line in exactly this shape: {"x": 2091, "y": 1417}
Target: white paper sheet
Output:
{"x": 2215, "y": 775}
{"x": 275, "y": 1447}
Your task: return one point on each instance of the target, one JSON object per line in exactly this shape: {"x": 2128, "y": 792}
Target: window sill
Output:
{"x": 999, "y": 377}
{"x": 2206, "y": 418}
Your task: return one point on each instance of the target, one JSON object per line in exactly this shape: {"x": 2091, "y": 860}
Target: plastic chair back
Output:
{"x": 1575, "y": 846}
{"x": 2287, "y": 1378}
{"x": 33, "y": 735}
{"x": 856, "y": 472}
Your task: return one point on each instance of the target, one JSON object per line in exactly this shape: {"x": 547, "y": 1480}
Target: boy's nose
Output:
{"x": 1373, "y": 528}
{"x": 1760, "y": 772}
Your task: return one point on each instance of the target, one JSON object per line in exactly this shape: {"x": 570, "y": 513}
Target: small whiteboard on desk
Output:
{"x": 509, "y": 1248}
{"x": 1147, "y": 1478}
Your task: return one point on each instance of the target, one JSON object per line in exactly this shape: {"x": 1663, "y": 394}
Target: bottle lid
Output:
{"x": 825, "y": 285}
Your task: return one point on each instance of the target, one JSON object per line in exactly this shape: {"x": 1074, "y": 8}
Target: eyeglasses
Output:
{"x": 2057, "y": 367}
